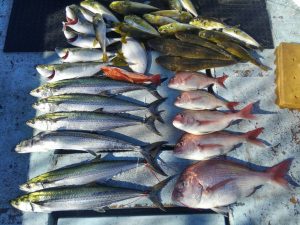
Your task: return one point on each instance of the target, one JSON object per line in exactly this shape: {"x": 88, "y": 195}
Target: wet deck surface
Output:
{"x": 269, "y": 205}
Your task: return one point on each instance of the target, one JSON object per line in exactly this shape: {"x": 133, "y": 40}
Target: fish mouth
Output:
{"x": 71, "y": 21}
{"x": 24, "y": 187}
{"x": 62, "y": 53}
{"x": 44, "y": 71}
{"x": 34, "y": 93}
{"x": 70, "y": 40}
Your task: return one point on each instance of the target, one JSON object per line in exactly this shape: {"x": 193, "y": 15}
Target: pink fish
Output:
{"x": 201, "y": 100}
{"x": 188, "y": 81}
{"x": 216, "y": 183}
{"x": 203, "y": 122}
{"x": 206, "y": 146}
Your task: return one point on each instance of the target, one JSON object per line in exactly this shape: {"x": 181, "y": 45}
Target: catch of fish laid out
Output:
{"x": 83, "y": 98}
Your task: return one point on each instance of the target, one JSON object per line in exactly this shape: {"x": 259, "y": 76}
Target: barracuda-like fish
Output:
{"x": 56, "y": 72}
{"x": 175, "y": 47}
{"x": 207, "y": 23}
{"x": 95, "y": 171}
{"x": 92, "y": 86}
{"x": 88, "y": 121}
{"x": 92, "y": 103}
{"x": 135, "y": 55}
{"x": 175, "y": 4}
{"x": 180, "y": 16}
{"x": 100, "y": 32}
{"x": 216, "y": 183}
{"x": 206, "y": 146}
{"x": 158, "y": 20}
{"x": 173, "y": 28}
{"x": 188, "y": 5}
{"x": 96, "y": 7}
{"x": 74, "y": 55}
{"x": 141, "y": 25}
{"x": 128, "y": 7}
{"x": 83, "y": 198}
{"x": 204, "y": 122}
{"x": 202, "y": 100}
{"x": 77, "y": 21}
{"x": 189, "y": 81}
{"x": 176, "y": 63}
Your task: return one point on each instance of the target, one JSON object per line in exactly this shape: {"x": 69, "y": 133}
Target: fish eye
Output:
{"x": 37, "y": 90}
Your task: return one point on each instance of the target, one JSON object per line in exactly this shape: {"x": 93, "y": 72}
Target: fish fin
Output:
{"x": 152, "y": 107}
{"x": 221, "y": 210}
{"x": 100, "y": 210}
{"x": 264, "y": 67}
{"x": 95, "y": 42}
{"x": 155, "y": 79}
{"x": 150, "y": 152}
{"x": 105, "y": 57}
{"x": 92, "y": 153}
{"x": 231, "y": 105}
{"x": 246, "y": 113}
{"x": 218, "y": 185}
{"x": 154, "y": 92}
{"x": 163, "y": 79}
{"x": 98, "y": 110}
{"x": 204, "y": 122}
{"x": 252, "y": 135}
{"x": 150, "y": 124}
{"x": 278, "y": 172}
{"x": 209, "y": 146}
{"x": 119, "y": 60}
{"x": 221, "y": 80}
{"x": 97, "y": 158}
{"x": 154, "y": 194}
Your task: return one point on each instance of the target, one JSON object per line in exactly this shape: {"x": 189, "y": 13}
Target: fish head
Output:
{"x": 72, "y": 12}
{"x": 182, "y": 99}
{"x": 177, "y": 81}
{"x": 41, "y": 92}
{"x": 43, "y": 105}
{"x": 32, "y": 185}
{"x": 187, "y": 190}
{"x": 168, "y": 28}
{"x": 62, "y": 52}
{"x": 46, "y": 70}
{"x": 185, "y": 144}
{"x": 89, "y": 5}
{"x": 37, "y": 123}
{"x": 183, "y": 120}
{"x": 118, "y": 6}
{"x": 22, "y": 203}
{"x": 185, "y": 16}
{"x": 70, "y": 35}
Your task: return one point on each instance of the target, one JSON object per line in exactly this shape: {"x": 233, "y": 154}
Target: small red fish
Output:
{"x": 136, "y": 78}
{"x": 216, "y": 183}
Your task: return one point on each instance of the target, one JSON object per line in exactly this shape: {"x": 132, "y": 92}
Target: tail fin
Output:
{"x": 264, "y": 68}
{"x": 150, "y": 124}
{"x": 105, "y": 57}
{"x": 150, "y": 152}
{"x": 221, "y": 80}
{"x": 278, "y": 172}
{"x": 152, "y": 107}
{"x": 154, "y": 92}
{"x": 246, "y": 113}
{"x": 118, "y": 60}
{"x": 155, "y": 79}
{"x": 231, "y": 105}
{"x": 154, "y": 193}
{"x": 252, "y": 135}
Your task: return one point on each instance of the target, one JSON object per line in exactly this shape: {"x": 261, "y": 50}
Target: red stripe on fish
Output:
{"x": 222, "y": 79}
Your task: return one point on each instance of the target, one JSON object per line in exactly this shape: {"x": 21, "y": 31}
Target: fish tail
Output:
{"x": 222, "y": 79}
{"x": 154, "y": 92}
{"x": 278, "y": 172}
{"x": 264, "y": 67}
{"x": 150, "y": 124}
{"x": 260, "y": 65}
{"x": 105, "y": 57}
{"x": 252, "y": 135}
{"x": 231, "y": 105}
{"x": 246, "y": 113}
{"x": 155, "y": 79}
{"x": 150, "y": 152}
{"x": 154, "y": 193}
{"x": 152, "y": 107}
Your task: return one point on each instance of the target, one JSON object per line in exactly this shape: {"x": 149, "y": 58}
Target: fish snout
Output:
{"x": 44, "y": 70}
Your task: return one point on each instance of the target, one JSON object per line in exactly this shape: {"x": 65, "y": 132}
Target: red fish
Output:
{"x": 216, "y": 183}
{"x": 206, "y": 146}
{"x": 136, "y": 78}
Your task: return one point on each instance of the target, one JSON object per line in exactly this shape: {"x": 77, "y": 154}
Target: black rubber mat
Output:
{"x": 35, "y": 25}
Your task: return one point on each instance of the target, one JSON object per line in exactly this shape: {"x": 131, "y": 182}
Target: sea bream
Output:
{"x": 207, "y": 146}
{"x": 83, "y": 198}
{"x": 88, "y": 121}
{"x": 57, "y": 72}
{"x": 216, "y": 183}
{"x": 92, "y": 86}
{"x": 202, "y": 100}
{"x": 100, "y": 32}
{"x": 203, "y": 122}
{"x": 188, "y": 81}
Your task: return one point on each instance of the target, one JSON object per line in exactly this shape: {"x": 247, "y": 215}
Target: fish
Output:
{"x": 97, "y": 170}
{"x": 175, "y": 47}
{"x": 85, "y": 41}
{"x": 141, "y": 25}
{"x": 176, "y": 63}
{"x": 172, "y": 28}
{"x": 202, "y": 100}
{"x": 75, "y": 55}
{"x": 100, "y": 32}
{"x": 135, "y": 55}
{"x": 92, "y": 86}
{"x": 158, "y": 20}
{"x": 77, "y": 21}
{"x": 84, "y": 198}
{"x": 126, "y": 30}
{"x": 204, "y": 122}
{"x": 207, "y": 23}
{"x": 88, "y": 121}
{"x": 57, "y": 72}
{"x": 207, "y": 146}
{"x": 242, "y": 54}
{"x": 180, "y": 16}
{"x": 116, "y": 73}
{"x": 175, "y": 4}
{"x": 188, "y": 5}
{"x": 216, "y": 183}
{"x": 195, "y": 39}
{"x": 96, "y": 7}
{"x": 94, "y": 103}
{"x": 129, "y": 7}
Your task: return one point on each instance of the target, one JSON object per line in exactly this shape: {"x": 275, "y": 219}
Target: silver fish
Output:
{"x": 100, "y": 31}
